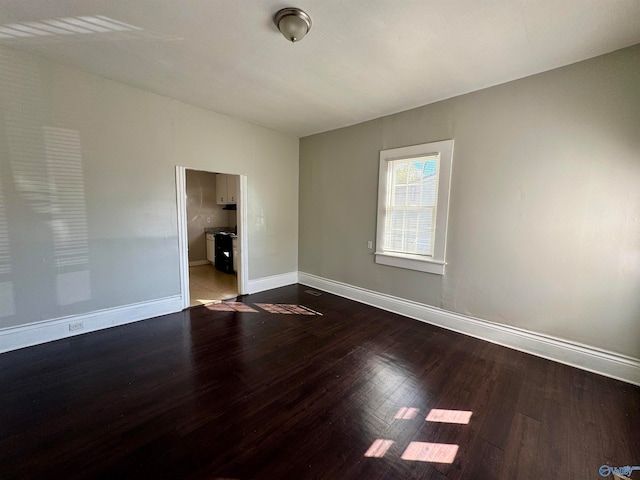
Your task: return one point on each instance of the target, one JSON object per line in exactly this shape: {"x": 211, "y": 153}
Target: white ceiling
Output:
{"x": 362, "y": 59}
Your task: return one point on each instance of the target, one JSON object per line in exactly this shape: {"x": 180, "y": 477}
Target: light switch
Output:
{"x": 369, "y": 244}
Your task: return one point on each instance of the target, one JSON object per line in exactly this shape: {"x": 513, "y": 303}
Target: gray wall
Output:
{"x": 544, "y": 228}
{"x": 88, "y": 215}
{"x": 203, "y": 212}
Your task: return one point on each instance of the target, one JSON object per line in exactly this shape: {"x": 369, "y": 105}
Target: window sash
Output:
{"x": 411, "y": 205}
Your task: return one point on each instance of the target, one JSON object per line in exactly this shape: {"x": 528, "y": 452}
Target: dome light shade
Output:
{"x": 293, "y": 23}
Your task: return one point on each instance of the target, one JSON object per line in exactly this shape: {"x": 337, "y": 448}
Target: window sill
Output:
{"x": 410, "y": 262}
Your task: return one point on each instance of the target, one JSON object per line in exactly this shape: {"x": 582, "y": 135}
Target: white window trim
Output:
{"x": 436, "y": 263}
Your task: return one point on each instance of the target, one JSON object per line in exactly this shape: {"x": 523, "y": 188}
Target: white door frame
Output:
{"x": 183, "y": 239}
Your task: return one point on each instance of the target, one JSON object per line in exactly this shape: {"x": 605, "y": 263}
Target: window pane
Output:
{"x": 400, "y": 173}
{"x": 429, "y": 190}
{"x": 413, "y": 194}
{"x": 397, "y": 219}
{"x": 412, "y": 206}
{"x": 411, "y": 218}
{"x": 414, "y": 174}
{"x": 431, "y": 166}
{"x": 393, "y": 240}
{"x": 427, "y": 232}
{"x": 399, "y": 197}
{"x": 410, "y": 246}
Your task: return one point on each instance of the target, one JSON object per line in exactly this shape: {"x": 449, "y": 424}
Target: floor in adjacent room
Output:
{"x": 288, "y": 385}
{"x": 208, "y": 285}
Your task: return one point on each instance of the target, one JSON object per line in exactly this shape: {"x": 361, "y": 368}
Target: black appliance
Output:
{"x": 224, "y": 252}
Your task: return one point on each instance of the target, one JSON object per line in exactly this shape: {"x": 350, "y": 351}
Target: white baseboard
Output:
{"x": 197, "y": 263}
{"x": 13, "y": 338}
{"x": 274, "y": 281}
{"x": 588, "y": 358}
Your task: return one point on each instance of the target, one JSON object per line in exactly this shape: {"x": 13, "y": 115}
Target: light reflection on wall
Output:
{"x": 45, "y": 163}
{"x": 20, "y": 88}
{"x": 23, "y": 112}
{"x": 63, "y": 155}
{"x": 7, "y": 301}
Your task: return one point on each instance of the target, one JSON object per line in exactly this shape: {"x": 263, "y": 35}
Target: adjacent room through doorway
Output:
{"x": 212, "y": 228}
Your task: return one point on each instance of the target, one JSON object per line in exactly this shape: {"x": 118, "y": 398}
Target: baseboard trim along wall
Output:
{"x": 13, "y": 338}
{"x": 577, "y": 355}
{"x": 273, "y": 281}
{"x": 588, "y": 358}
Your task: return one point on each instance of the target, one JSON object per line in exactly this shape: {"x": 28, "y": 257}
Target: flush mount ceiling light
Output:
{"x": 293, "y": 23}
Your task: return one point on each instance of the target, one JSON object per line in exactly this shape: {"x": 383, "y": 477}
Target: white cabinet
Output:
{"x": 232, "y": 188}
{"x": 226, "y": 189}
{"x": 236, "y": 257}
{"x": 211, "y": 248}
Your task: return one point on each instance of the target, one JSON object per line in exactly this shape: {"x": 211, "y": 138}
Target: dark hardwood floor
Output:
{"x": 259, "y": 395}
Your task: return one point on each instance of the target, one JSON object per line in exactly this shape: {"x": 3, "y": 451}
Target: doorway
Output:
{"x": 211, "y": 225}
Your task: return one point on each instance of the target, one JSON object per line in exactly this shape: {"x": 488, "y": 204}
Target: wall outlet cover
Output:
{"x": 76, "y": 326}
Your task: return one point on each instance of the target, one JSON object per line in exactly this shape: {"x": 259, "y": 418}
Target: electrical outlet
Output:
{"x": 370, "y": 245}
{"x": 76, "y": 326}
{"x": 208, "y": 219}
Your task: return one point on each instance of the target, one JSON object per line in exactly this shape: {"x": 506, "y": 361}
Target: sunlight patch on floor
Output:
{"x": 206, "y": 301}
{"x": 378, "y": 448}
{"x": 461, "y": 417}
{"x": 279, "y": 308}
{"x": 231, "y": 307}
{"x": 430, "y": 452}
{"x": 406, "y": 413}
{"x": 424, "y": 451}
{"x": 287, "y": 309}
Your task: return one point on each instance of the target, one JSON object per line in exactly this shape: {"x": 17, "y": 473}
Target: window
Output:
{"x": 413, "y": 206}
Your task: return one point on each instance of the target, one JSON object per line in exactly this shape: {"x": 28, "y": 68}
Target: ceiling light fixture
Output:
{"x": 293, "y": 23}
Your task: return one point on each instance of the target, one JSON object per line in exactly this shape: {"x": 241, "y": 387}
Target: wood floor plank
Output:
{"x": 618, "y": 431}
{"x": 258, "y": 395}
{"x": 520, "y": 451}
{"x": 503, "y": 397}
{"x": 491, "y": 464}
{"x": 532, "y": 394}
{"x": 553, "y": 456}
{"x": 587, "y": 454}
